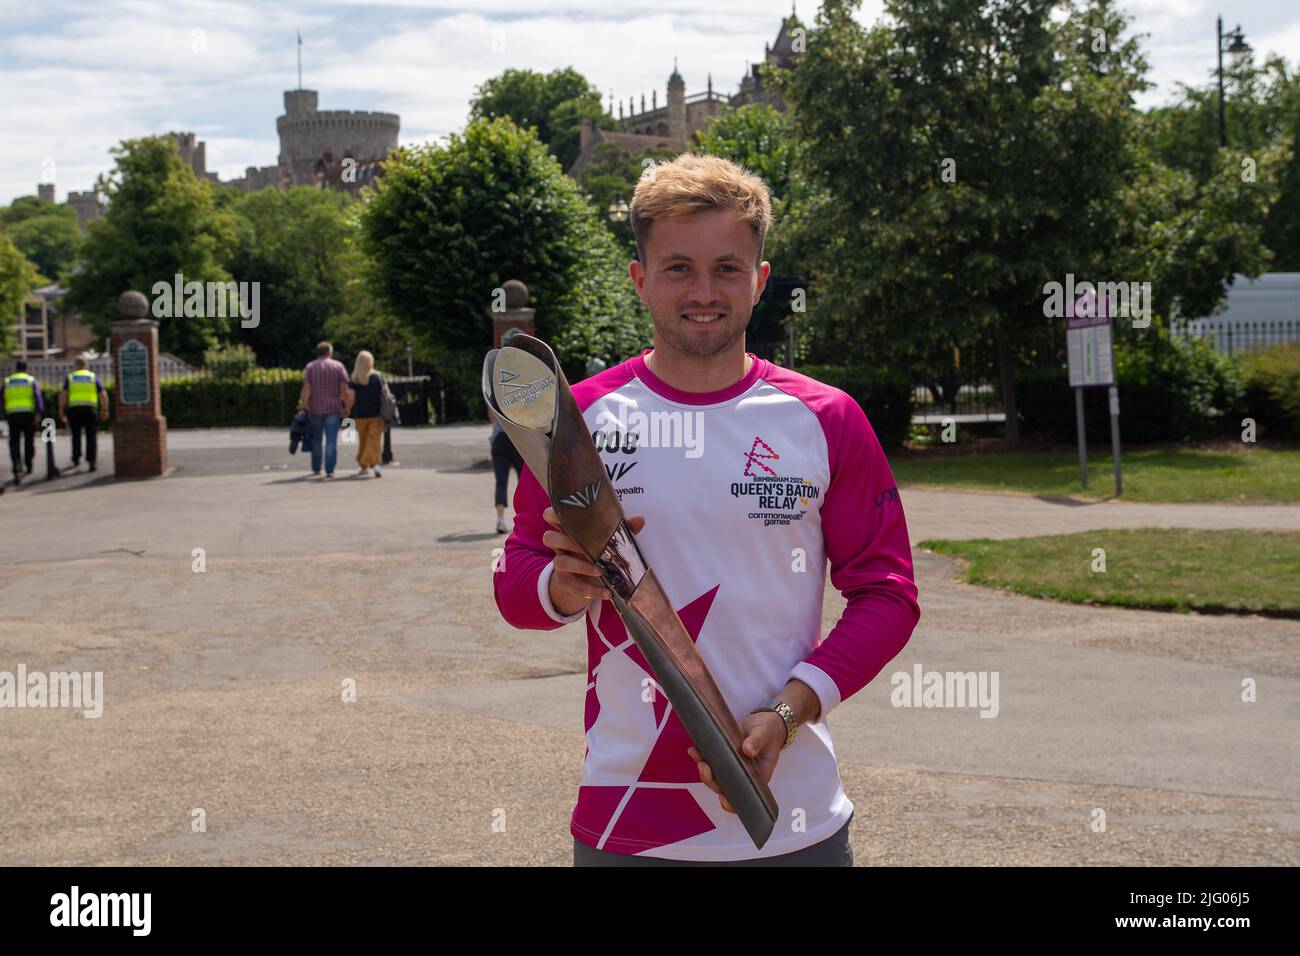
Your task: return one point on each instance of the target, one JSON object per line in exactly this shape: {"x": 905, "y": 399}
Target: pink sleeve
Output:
{"x": 871, "y": 560}
{"x": 521, "y": 580}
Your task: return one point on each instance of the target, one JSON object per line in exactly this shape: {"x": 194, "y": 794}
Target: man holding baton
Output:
{"x": 745, "y": 479}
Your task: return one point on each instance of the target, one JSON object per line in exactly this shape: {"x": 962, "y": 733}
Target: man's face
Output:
{"x": 700, "y": 282}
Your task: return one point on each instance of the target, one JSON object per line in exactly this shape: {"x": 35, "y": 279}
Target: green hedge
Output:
{"x": 266, "y": 396}
{"x": 1273, "y": 389}
{"x": 886, "y": 397}
{"x": 1170, "y": 391}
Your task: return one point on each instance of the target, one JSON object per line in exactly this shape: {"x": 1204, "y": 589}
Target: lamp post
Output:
{"x": 1237, "y": 47}
{"x": 617, "y": 210}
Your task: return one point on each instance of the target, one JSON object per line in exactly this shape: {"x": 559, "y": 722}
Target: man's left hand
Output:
{"x": 764, "y": 737}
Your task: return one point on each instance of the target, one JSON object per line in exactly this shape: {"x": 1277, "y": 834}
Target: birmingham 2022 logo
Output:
{"x": 781, "y": 500}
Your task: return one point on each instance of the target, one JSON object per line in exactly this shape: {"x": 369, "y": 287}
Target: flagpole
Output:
{"x": 300, "y": 61}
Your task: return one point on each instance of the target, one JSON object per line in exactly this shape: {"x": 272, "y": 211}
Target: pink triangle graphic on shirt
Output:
{"x": 656, "y": 816}
{"x": 668, "y": 761}
{"x": 652, "y": 816}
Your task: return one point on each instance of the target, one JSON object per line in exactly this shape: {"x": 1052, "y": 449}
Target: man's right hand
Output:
{"x": 575, "y": 582}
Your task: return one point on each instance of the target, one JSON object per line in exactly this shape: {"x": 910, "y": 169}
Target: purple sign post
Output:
{"x": 1091, "y": 349}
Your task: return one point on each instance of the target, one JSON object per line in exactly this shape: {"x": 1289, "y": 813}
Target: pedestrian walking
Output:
{"x": 368, "y": 388}
{"x": 83, "y": 403}
{"x": 326, "y": 397}
{"x": 23, "y": 407}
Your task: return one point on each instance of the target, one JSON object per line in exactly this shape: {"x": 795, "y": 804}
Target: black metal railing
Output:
{"x": 977, "y": 401}
{"x": 1232, "y": 336}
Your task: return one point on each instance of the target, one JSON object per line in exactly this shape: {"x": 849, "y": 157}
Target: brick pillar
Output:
{"x": 139, "y": 429}
{"x": 515, "y": 315}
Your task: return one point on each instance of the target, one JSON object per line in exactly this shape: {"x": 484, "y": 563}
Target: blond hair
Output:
{"x": 694, "y": 183}
{"x": 364, "y": 365}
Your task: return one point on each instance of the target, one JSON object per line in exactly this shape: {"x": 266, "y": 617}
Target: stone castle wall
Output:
{"x": 306, "y": 133}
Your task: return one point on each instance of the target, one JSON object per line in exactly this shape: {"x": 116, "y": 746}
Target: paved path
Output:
{"x": 223, "y": 690}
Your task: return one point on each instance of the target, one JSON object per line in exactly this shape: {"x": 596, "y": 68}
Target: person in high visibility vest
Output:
{"x": 83, "y": 395}
{"x": 23, "y": 407}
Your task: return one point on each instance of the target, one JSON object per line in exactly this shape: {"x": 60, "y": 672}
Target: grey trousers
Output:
{"x": 835, "y": 850}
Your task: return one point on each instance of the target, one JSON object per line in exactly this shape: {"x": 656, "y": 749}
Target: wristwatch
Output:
{"x": 786, "y": 713}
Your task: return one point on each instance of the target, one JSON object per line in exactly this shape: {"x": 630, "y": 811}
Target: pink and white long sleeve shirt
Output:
{"x": 747, "y": 492}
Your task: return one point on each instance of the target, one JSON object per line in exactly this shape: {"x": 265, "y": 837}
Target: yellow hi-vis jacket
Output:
{"x": 83, "y": 389}
{"x": 20, "y": 393}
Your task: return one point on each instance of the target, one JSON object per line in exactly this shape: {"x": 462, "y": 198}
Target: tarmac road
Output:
{"x": 223, "y": 690}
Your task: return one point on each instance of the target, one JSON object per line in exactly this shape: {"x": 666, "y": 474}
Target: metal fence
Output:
{"x": 1232, "y": 336}
{"x": 53, "y": 372}
{"x": 417, "y": 398}
{"x": 977, "y": 402}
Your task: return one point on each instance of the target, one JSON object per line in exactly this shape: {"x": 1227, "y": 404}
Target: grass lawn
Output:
{"x": 1229, "y": 475}
{"x": 1161, "y": 568}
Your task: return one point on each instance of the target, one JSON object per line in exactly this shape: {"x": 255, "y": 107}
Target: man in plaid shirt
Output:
{"x": 327, "y": 399}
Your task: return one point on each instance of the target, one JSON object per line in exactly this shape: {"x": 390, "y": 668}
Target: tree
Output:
{"x": 961, "y": 155}
{"x": 555, "y": 103}
{"x": 1188, "y": 239}
{"x": 18, "y": 277}
{"x": 451, "y": 223}
{"x": 612, "y": 176}
{"x": 45, "y": 232}
{"x": 762, "y": 140}
{"x": 566, "y": 125}
{"x": 300, "y": 244}
{"x": 1260, "y": 109}
{"x": 161, "y": 222}
{"x": 1282, "y": 225}
{"x": 1262, "y": 122}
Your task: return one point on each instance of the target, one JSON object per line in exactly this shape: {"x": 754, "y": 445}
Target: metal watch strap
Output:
{"x": 787, "y": 715}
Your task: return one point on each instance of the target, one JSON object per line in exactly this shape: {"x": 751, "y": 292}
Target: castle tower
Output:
{"x": 194, "y": 154}
{"x": 45, "y": 192}
{"x": 87, "y": 207}
{"x": 676, "y": 104}
{"x": 310, "y": 137}
{"x": 299, "y": 102}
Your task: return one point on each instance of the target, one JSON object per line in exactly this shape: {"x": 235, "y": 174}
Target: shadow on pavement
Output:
{"x": 461, "y": 537}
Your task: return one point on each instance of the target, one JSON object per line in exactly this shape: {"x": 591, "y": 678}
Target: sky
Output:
{"x": 78, "y": 76}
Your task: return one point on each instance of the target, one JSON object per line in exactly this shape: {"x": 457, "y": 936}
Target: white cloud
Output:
{"x": 81, "y": 75}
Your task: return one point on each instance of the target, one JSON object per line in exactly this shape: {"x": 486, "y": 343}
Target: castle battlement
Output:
{"x": 311, "y": 139}
{"x": 341, "y": 116}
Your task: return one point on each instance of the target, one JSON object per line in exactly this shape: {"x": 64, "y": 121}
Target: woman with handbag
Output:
{"x": 367, "y": 412}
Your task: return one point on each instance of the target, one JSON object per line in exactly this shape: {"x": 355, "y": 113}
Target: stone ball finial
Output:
{"x": 516, "y": 294}
{"x": 133, "y": 305}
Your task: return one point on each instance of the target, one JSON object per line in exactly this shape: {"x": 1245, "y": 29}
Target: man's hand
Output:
{"x": 63, "y": 418}
{"x": 764, "y": 737}
{"x": 575, "y": 582}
